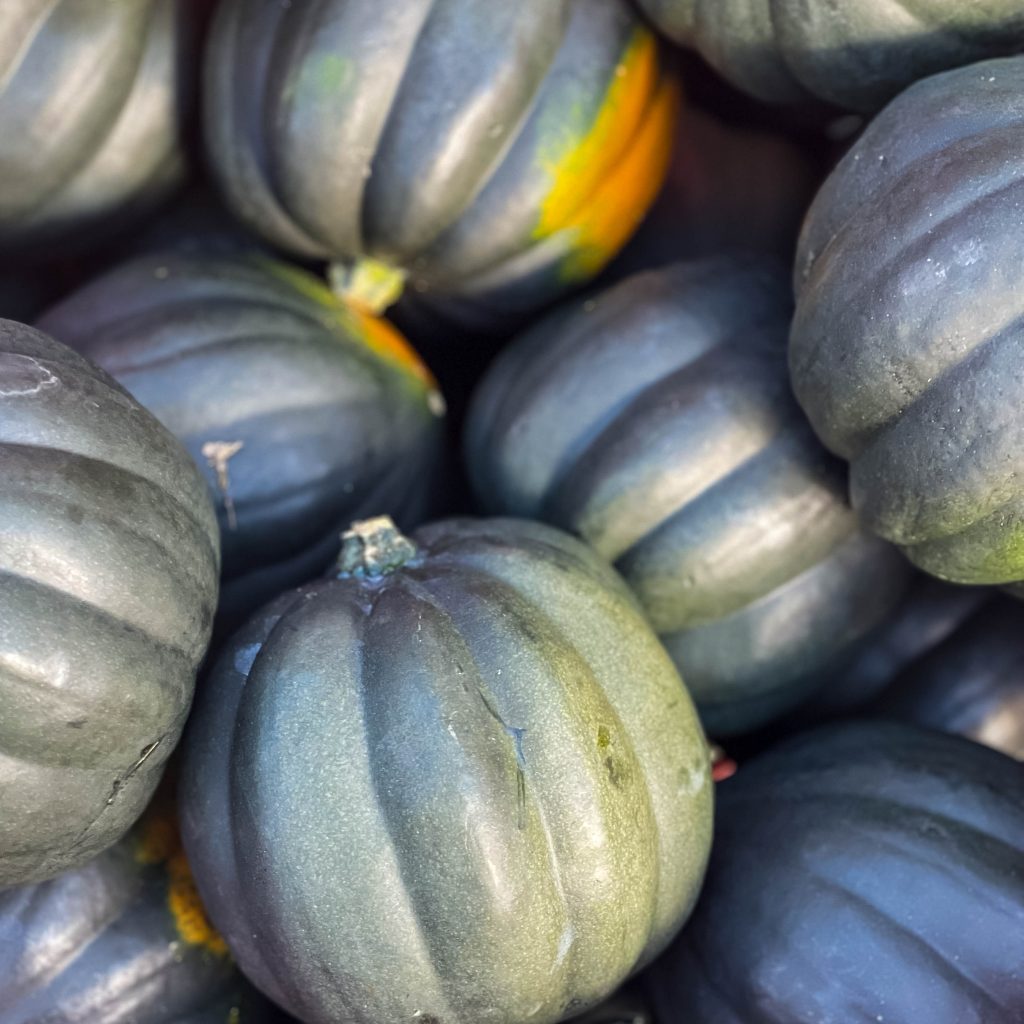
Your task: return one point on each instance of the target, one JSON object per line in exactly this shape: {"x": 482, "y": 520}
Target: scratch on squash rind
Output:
{"x": 606, "y": 174}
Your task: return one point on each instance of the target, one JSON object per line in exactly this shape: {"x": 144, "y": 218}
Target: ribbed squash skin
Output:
{"x": 335, "y": 415}
{"x": 471, "y": 790}
{"x": 122, "y": 940}
{"x": 496, "y": 152}
{"x": 906, "y": 346}
{"x": 656, "y": 423}
{"x": 92, "y": 110}
{"x": 109, "y": 559}
{"x": 856, "y": 54}
{"x": 860, "y": 872}
{"x": 972, "y": 683}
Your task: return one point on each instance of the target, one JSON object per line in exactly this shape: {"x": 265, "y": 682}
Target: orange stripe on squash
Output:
{"x": 605, "y": 181}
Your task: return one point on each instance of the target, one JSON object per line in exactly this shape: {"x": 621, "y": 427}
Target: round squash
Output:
{"x": 301, "y": 413}
{"x": 972, "y": 683}
{"x": 856, "y": 54}
{"x": 122, "y": 940}
{"x": 656, "y": 423}
{"x": 457, "y": 781}
{"x": 865, "y": 872}
{"x": 492, "y": 154}
{"x": 906, "y": 345}
{"x": 108, "y": 581}
{"x": 92, "y": 113}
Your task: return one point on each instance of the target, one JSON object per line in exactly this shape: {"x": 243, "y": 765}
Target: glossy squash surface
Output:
{"x": 300, "y": 412}
{"x": 459, "y": 781}
{"x": 656, "y": 423}
{"x": 109, "y": 557}
{"x": 498, "y": 153}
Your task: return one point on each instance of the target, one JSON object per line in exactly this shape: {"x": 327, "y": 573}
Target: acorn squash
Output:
{"x": 300, "y": 413}
{"x": 864, "y": 872}
{"x": 109, "y": 558}
{"x": 655, "y": 422}
{"x": 486, "y": 152}
{"x": 459, "y": 780}
{"x": 906, "y": 349}
{"x": 92, "y": 113}
{"x": 855, "y": 55}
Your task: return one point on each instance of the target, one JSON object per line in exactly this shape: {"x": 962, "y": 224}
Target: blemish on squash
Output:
{"x": 604, "y": 737}
{"x": 606, "y": 174}
{"x": 328, "y": 77}
{"x": 158, "y": 843}
{"x": 217, "y": 455}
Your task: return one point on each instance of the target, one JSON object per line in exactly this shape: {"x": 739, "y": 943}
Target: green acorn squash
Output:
{"x": 906, "y": 345}
{"x": 92, "y": 113}
{"x": 457, "y": 781}
{"x": 656, "y": 423}
{"x": 488, "y": 152}
{"x": 864, "y": 872}
{"x": 301, "y": 413}
{"x": 109, "y": 558}
{"x": 122, "y": 940}
{"x": 856, "y": 54}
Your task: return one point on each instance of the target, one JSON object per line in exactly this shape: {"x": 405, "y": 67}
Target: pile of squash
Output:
{"x": 511, "y": 512}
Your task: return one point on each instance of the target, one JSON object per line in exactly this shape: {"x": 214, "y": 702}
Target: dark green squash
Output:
{"x": 656, "y": 423}
{"x": 301, "y": 413}
{"x": 906, "y": 345}
{"x": 458, "y": 781}
{"x": 122, "y": 940}
{"x": 488, "y": 152}
{"x": 972, "y": 683}
{"x": 864, "y": 872}
{"x": 92, "y": 112}
{"x": 855, "y": 54}
{"x": 108, "y": 580}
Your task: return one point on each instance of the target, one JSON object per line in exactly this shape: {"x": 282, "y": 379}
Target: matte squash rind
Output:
{"x": 862, "y": 871}
{"x": 905, "y": 346}
{"x": 109, "y": 557}
{"x": 498, "y": 154}
{"x": 856, "y": 55}
{"x": 300, "y": 412}
{"x": 656, "y": 423}
{"x": 472, "y": 789}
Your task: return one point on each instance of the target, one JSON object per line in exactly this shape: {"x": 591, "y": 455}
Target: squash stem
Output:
{"x": 372, "y": 548}
{"x": 367, "y": 285}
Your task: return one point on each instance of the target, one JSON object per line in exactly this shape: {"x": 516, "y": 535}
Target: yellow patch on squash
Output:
{"x": 374, "y": 331}
{"x": 604, "y": 181}
{"x": 158, "y": 843}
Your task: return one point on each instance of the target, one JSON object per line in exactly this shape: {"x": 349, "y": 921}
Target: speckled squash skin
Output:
{"x": 92, "y": 110}
{"x": 302, "y": 414}
{"x": 656, "y": 423}
{"x": 865, "y": 871}
{"x": 856, "y": 54}
{"x": 469, "y": 788}
{"x": 906, "y": 345}
{"x": 108, "y": 580}
{"x": 972, "y": 683}
{"x": 122, "y": 940}
{"x": 495, "y": 153}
